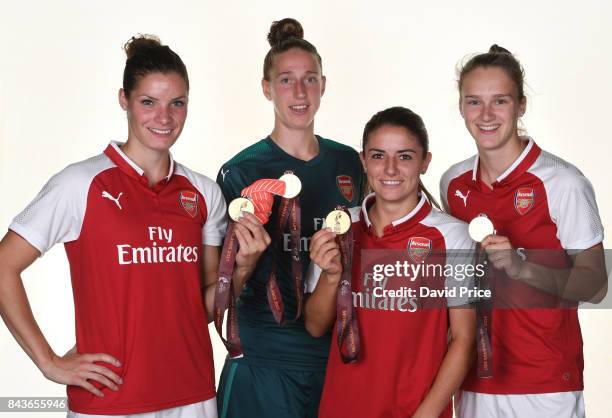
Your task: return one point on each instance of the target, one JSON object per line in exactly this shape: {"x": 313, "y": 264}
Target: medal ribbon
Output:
{"x": 289, "y": 213}
{"x": 260, "y": 193}
{"x": 224, "y": 295}
{"x": 346, "y": 320}
{"x": 483, "y": 322}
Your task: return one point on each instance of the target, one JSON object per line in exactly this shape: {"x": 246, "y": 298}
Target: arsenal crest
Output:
{"x": 419, "y": 248}
{"x": 189, "y": 202}
{"x": 524, "y": 199}
{"x": 345, "y": 184}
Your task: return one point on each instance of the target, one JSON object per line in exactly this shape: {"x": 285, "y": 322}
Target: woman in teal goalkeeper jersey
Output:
{"x": 282, "y": 371}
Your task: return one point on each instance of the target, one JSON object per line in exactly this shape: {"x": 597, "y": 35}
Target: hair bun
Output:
{"x": 284, "y": 29}
{"x": 496, "y": 49}
{"x": 140, "y": 43}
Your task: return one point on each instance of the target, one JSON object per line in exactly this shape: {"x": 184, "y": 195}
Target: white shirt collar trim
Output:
{"x": 116, "y": 145}
{"x": 515, "y": 164}
{"x": 364, "y": 209}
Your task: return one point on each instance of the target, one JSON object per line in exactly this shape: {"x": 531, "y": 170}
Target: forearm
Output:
{"x": 17, "y": 315}
{"x": 240, "y": 277}
{"x": 578, "y": 284}
{"x": 455, "y": 365}
{"x": 451, "y": 374}
{"x": 320, "y": 307}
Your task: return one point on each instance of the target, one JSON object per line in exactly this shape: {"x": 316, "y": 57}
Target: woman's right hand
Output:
{"x": 79, "y": 369}
{"x": 325, "y": 253}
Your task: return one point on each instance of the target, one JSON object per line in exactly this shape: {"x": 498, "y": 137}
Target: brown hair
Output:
{"x": 284, "y": 35}
{"x": 402, "y": 118}
{"x": 496, "y": 57}
{"x": 146, "y": 55}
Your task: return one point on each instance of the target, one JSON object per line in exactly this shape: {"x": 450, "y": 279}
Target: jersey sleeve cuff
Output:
{"x": 578, "y": 247}
{"x": 31, "y": 237}
{"x": 214, "y": 240}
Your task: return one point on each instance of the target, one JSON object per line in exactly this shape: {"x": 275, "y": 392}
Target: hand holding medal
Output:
{"x": 256, "y": 199}
{"x": 339, "y": 222}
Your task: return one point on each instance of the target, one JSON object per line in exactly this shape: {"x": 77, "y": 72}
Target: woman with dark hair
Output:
{"x": 138, "y": 228}
{"x": 406, "y": 365}
{"x": 281, "y": 371}
{"x": 536, "y": 202}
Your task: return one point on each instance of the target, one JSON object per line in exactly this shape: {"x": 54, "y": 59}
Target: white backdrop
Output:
{"x": 61, "y": 67}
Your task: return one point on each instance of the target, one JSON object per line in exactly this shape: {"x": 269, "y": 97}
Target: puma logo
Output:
{"x": 462, "y": 196}
{"x": 107, "y": 195}
{"x": 223, "y": 174}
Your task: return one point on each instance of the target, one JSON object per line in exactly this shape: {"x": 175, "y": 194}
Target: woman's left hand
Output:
{"x": 502, "y": 255}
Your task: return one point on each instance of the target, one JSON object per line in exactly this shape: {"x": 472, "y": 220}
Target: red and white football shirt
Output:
{"x": 135, "y": 257}
{"x": 402, "y": 348}
{"x": 539, "y": 202}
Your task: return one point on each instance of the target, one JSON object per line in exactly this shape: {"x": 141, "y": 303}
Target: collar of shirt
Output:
{"x": 417, "y": 214}
{"x": 129, "y": 167}
{"x": 524, "y": 161}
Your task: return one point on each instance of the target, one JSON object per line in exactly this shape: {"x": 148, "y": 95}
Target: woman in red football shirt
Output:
{"x": 140, "y": 231}
{"x": 407, "y": 366}
{"x": 543, "y": 209}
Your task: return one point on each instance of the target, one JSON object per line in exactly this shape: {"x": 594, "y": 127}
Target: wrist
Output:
{"x": 332, "y": 278}
{"x": 242, "y": 273}
{"x": 46, "y": 361}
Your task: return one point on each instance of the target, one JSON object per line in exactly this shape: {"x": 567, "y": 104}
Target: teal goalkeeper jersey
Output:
{"x": 334, "y": 177}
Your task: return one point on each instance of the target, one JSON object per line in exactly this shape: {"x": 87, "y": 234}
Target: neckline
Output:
{"x": 315, "y": 160}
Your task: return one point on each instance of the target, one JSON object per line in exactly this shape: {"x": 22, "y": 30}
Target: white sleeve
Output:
{"x": 314, "y": 271}
{"x": 56, "y": 213}
{"x": 574, "y": 211}
{"x": 459, "y": 254}
{"x": 216, "y": 220}
{"x": 312, "y": 277}
{"x": 461, "y": 270}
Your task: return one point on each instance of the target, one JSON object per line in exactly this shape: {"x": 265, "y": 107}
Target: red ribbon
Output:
{"x": 346, "y": 319}
{"x": 224, "y": 295}
{"x": 484, "y": 317}
{"x": 261, "y": 193}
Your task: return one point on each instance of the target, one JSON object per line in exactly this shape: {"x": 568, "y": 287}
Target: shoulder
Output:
{"x": 205, "y": 185}
{"x": 457, "y": 170}
{"x": 553, "y": 170}
{"x": 454, "y": 231}
{"x": 337, "y": 147}
{"x": 82, "y": 173}
{"x": 252, "y": 154}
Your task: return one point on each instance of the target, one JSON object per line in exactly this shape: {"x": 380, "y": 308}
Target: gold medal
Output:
{"x": 239, "y": 205}
{"x": 338, "y": 221}
{"x": 293, "y": 185}
{"x": 480, "y": 227}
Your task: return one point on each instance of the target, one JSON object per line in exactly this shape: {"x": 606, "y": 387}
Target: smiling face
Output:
{"x": 295, "y": 87}
{"x": 156, "y": 111}
{"x": 393, "y": 160}
{"x": 491, "y": 108}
